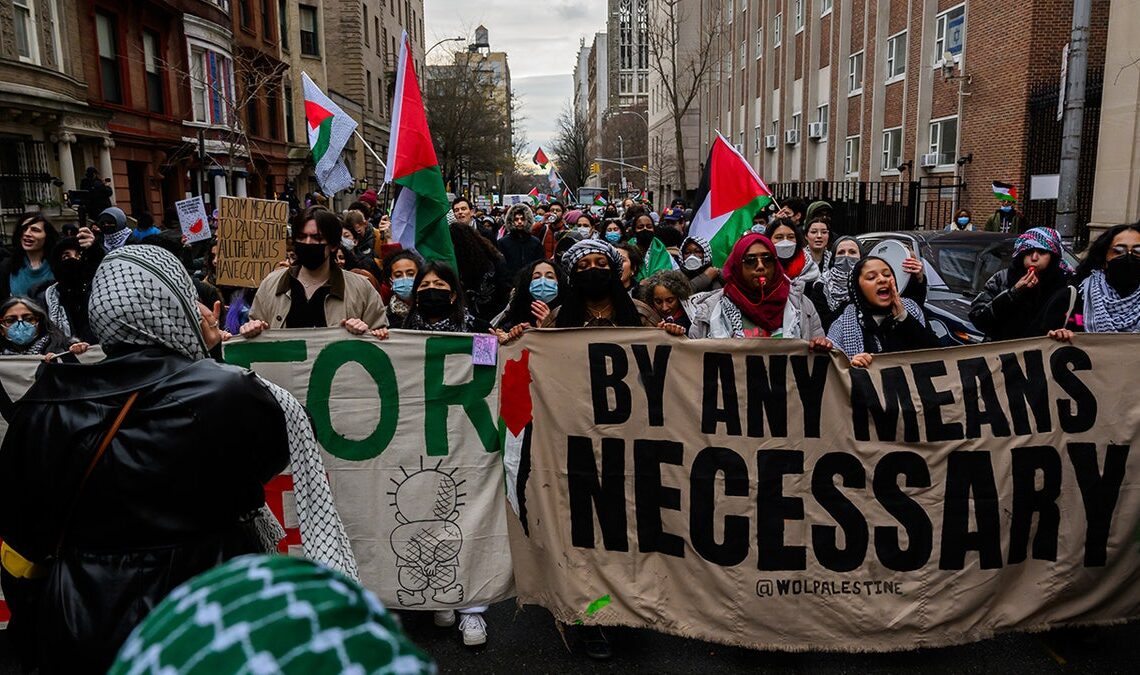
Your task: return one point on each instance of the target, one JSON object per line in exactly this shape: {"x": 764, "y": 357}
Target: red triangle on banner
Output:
{"x": 315, "y": 114}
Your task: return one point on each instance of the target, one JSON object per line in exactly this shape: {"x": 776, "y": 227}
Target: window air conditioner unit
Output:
{"x": 931, "y": 159}
{"x": 770, "y": 142}
{"x": 817, "y": 130}
{"x": 792, "y": 136}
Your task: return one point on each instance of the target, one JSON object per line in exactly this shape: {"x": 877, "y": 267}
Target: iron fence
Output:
{"x": 859, "y": 207}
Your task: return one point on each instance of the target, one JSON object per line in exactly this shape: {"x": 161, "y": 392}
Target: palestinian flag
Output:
{"x": 330, "y": 129}
{"x": 541, "y": 159}
{"x": 1005, "y": 192}
{"x": 657, "y": 258}
{"x": 516, "y": 426}
{"x": 730, "y": 194}
{"x": 419, "y": 216}
{"x": 533, "y": 194}
{"x": 600, "y": 201}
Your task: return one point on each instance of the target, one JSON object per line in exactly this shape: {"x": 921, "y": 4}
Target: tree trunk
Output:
{"x": 680, "y": 147}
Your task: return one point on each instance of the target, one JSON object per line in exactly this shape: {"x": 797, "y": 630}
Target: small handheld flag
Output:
{"x": 1005, "y": 192}
{"x": 541, "y": 159}
{"x": 329, "y": 128}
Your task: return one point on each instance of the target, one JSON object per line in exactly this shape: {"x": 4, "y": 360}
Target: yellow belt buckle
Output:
{"x": 17, "y": 565}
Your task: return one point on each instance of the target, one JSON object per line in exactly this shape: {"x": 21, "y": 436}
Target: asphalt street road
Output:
{"x": 527, "y": 641}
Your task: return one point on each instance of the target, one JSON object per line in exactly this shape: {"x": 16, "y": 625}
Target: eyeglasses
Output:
{"x": 13, "y": 320}
{"x": 1121, "y": 249}
{"x": 755, "y": 261}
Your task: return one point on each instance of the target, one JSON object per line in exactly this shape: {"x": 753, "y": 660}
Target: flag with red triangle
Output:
{"x": 419, "y": 216}
{"x": 541, "y": 159}
{"x": 533, "y": 194}
{"x": 730, "y": 195}
{"x": 330, "y": 129}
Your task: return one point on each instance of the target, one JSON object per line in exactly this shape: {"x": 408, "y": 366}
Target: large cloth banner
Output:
{"x": 409, "y": 428}
{"x": 755, "y": 494}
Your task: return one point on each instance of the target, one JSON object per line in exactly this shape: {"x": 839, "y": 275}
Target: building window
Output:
{"x": 642, "y": 34}
{"x": 855, "y": 74}
{"x": 776, "y": 29}
{"x": 380, "y": 96}
{"x": 756, "y": 140}
{"x": 27, "y": 46}
{"x": 851, "y": 156}
{"x": 743, "y": 52}
{"x": 798, "y": 14}
{"x": 775, "y": 127}
{"x": 109, "y": 76}
{"x": 822, "y": 114}
{"x": 155, "y": 98}
{"x": 283, "y": 23}
{"x": 944, "y": 140}
{"x": 368, "y": 85}
{"x": 625, "y": 35}
{"x": 797, "y": 118}
{"x": 289, "y": 114}
{"x": 376, "y": 31}
{"x": 759, "y": 43}
{"x": 273, "y": 111}
{"x": 896, "y": 57}
{"x": 364, "y": 26}
{"x": 266, "y": 20}
{"x": 246, "y": 13}
{"x": 252, "y": 106}
{"x": 211, "y": 86}
{"x": 310, "y": 44}
{"x": 643, "y": 83}
{"x": 825, "y": 7}
{"x": 892, "y": 149}
{"x": 950, "y": 34}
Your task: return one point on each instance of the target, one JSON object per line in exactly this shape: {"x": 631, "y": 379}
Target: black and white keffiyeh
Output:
{"x": 855, "y": 331}
{"x": 56, "y": 311}
{"x": 141, "y": 295}
{"x": 706, "y": 249}
{"x": 588, "y": 247}
{"x": 1107, "y": 312}
{"x": 417, "y": 322}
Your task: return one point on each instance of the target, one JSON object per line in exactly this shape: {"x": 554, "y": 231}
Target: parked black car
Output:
{"x": 958, "y": 265}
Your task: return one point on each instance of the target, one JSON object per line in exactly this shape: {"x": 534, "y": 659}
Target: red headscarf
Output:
{"x": 764, "y": 307}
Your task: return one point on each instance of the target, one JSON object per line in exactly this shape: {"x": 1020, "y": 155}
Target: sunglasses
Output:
{"x": 754, "y": 261}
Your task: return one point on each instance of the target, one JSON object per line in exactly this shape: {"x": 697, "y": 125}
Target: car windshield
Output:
{"x": 966, "y": 266}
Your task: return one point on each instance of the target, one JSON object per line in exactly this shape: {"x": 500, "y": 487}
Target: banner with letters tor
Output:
{"x": 755, "y": 494}
{"x": 409, "y": 426}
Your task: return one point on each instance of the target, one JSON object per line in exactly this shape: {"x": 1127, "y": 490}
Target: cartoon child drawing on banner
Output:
{"x": 427, "y": 541}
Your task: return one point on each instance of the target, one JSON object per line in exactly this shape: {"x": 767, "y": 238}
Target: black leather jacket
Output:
{"x": 164, "y": 504}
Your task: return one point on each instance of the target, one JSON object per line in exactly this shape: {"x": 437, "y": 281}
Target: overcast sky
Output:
{"x": 541, "y": 39}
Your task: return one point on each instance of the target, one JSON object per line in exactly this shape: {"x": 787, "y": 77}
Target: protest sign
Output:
{"x": 409, "y": 429}
{"x": 192, "y": 218}
{"x": 755, "y": 494}
{"x": 251, "y": 239}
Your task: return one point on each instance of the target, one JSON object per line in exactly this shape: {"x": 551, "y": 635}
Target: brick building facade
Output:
{"x": 885, "y": 90}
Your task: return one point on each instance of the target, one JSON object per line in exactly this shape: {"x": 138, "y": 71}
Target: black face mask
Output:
{"x": 593, "y": 284}
{"x": 69, "y": 272}
{"x": 433, "y": 303}
{"x": 1123, "y": 274}
{"x": 644, "y": 238}
{"x": 311, "y": 256}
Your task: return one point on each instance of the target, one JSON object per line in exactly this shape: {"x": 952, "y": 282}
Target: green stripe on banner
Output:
{"x": 324, "y": 137}
{"x": 737, "y": 225}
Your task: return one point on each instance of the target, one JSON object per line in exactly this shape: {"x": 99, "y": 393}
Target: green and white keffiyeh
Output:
{"x": 270, "y": 614}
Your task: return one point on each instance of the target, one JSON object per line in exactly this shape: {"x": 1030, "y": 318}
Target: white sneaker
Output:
{"x": 444, "y": 618}
{"x": 474, "y": 629}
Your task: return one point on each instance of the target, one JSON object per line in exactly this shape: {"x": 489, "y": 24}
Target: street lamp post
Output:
{"x": 458, "y": 38}
{"x": 621, "y": 157}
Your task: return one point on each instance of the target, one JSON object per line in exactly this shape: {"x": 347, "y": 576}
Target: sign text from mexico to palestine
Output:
{"x": 251, "y": 239}
{"x": 753, "y": 493}
{"x": 409, "y": 428}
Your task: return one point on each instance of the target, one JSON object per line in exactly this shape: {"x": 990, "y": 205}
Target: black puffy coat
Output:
{"x": 1005, "y": 313}
{"x": 166, "y": 502}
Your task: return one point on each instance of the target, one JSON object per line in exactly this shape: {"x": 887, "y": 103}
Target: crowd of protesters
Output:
{"x": 150, "y": 300}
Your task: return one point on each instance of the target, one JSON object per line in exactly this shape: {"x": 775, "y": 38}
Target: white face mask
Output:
{"x": 785, "y": 249}
{"x": 693, "y": 263}
{"x": 585, "y": 231}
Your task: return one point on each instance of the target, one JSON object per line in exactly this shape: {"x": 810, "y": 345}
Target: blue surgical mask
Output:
{"x": 544, "y": 289}
{"x": 963, "y": 221}
{"x": 1006, "y": 208}
{"x": 403, "y": 287}
{"x": 22, "y": 333}
{"x": 613, "y": 237}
